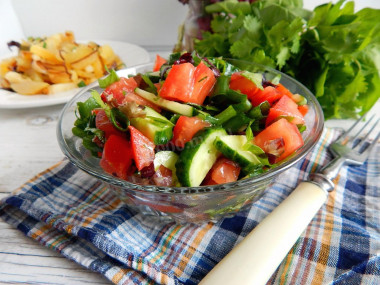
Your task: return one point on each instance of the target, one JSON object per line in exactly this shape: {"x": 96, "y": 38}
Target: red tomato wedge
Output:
{"x": 117, "y": 156}
{"x": 103, "y": 123}
{"x": 269, "y": 94}
{"x": 186, "y": 128}
{"x": 179, "y": 83}
{"x": 240, "y": 83}
{"x": 303, "y": 109}
{"x": 282, "y": 89}
{"x": 283, "y": 130}
{"x": 295, "y": 97}
{"x": 163, "y": 176}
{"x": 158, "y": 86}
{"x": 188, "y": 84}
{"x": 285, "y": 107}
{"x": 120, "y": 88}
{"x": 254, "y": 94}
{"x": 204, "y": 81}
{"x": 223, "y": 171}
{"x": 133, "y": 97}
{"x": 142, "y": 147}
{"x": 158, "y": 63}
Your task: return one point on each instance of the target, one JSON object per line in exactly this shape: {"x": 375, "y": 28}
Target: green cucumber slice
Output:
{"x": 168, "y": 159}
{"x": 231, "y": 146}
{"x": 198, "y": 157}
{"x": 171, "y": 106}
{"x": 154, "y": 126}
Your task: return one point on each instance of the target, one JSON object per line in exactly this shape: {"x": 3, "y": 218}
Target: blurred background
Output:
{"x": 143, "y": 22}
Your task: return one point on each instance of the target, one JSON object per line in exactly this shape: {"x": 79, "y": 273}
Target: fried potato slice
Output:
{"x": 29, "y": 87}
{"x": 61, "y": 87}
{"x": 45, "y": 54}
{"x": 48, "y": 65}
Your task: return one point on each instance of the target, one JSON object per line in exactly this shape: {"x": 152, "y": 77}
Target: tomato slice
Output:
{"x": 103, "y": 123}
{"x": 223, "y": 171}
{"x": 163, "y": 176}
{"x": 158, "y": 86}
{"x": 204, "y": 81}
{"x": 159, "y": 62}
{"x": 178, "y": 85}
{"x": 269, "y": 94}
{"x": 117, "y": 156}
{"x": 295, "y": 97}
{"x": 189, "y": 84}
{"x": 283, "y": 130}
{"x": 185, "y": 128}
{"x": 240, "y": 83}
{"x": 285, "y": 107}
{"x": 303, "y": 109}
{"x": 254, "y": 94}
{"x": 282, "y": 89}
{"x": 120, "y": 88}
{"x": 142, "y": 147}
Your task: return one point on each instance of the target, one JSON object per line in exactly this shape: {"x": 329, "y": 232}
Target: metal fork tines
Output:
{"x": 361, "y": 145}
{"x": 353, "y": 148}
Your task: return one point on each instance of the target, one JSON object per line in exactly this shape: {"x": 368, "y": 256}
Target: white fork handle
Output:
{"x": 254, "y": 260}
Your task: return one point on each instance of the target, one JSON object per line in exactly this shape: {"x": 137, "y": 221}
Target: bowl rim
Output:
{"x": 183, "y": 190}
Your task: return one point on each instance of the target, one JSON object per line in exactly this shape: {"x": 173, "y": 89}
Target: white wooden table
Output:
{"x": 28, "y": 145}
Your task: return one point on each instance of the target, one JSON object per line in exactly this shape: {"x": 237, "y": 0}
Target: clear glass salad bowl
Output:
{"x": 188, "y": 204}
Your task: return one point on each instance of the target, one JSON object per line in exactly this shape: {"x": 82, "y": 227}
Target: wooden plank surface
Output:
{"x": 28, "y": 146}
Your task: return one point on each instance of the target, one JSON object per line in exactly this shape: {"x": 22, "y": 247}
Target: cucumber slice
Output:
{"x": 154, "y": 76}
{"x": 198, "y": 157}
{"x": 231, "y": 146}
{"x": 171, "y": 106}
{"x": 168, "y": 159}
{"x": 154, "y": 126}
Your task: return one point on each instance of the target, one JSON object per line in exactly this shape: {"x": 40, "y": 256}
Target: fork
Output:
{"x": 254, "y": 260}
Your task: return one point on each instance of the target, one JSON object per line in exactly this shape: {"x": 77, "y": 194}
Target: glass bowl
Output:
{"x": 188, "y": 204}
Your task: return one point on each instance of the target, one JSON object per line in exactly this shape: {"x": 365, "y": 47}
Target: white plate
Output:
{"x": 130, "y": 54}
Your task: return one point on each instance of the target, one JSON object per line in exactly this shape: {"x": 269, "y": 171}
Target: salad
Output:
{"x": 191, "y": 121}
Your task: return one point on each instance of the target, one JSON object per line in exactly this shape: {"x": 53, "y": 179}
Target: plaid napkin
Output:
{"x": 74, "y": 214}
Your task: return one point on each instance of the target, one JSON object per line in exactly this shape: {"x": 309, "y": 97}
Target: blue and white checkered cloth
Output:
{"x": 74, "y": 214}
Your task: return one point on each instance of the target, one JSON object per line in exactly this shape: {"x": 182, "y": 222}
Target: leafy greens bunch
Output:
{"x": 332, "y": 50}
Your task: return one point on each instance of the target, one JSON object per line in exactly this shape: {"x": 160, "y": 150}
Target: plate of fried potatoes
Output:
{"x": 50, "y": 70}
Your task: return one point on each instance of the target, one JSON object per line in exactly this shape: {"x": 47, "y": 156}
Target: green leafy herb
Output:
{"x": 109, "y": 79}
{"x": 237, "y": 123}
{"x": 84, "y": 125}
{"x": 248, "y": 132}
{"x": 222, "y": 85}
{"x": 207, "y": 117}
{"x": 151, "y": 87}
{"x": 333, "y": 50}
{"x": 96, "y": 96}
{"x": 226, "y": 114}
{"x": 119, "y": 119}
{"x": 81, "y": 84}
{"x": 301, "y": 127}
{"x": 259, "y": 115}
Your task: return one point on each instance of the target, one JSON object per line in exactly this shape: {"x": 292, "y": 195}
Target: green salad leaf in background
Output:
{"x": 333, "y": 50}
